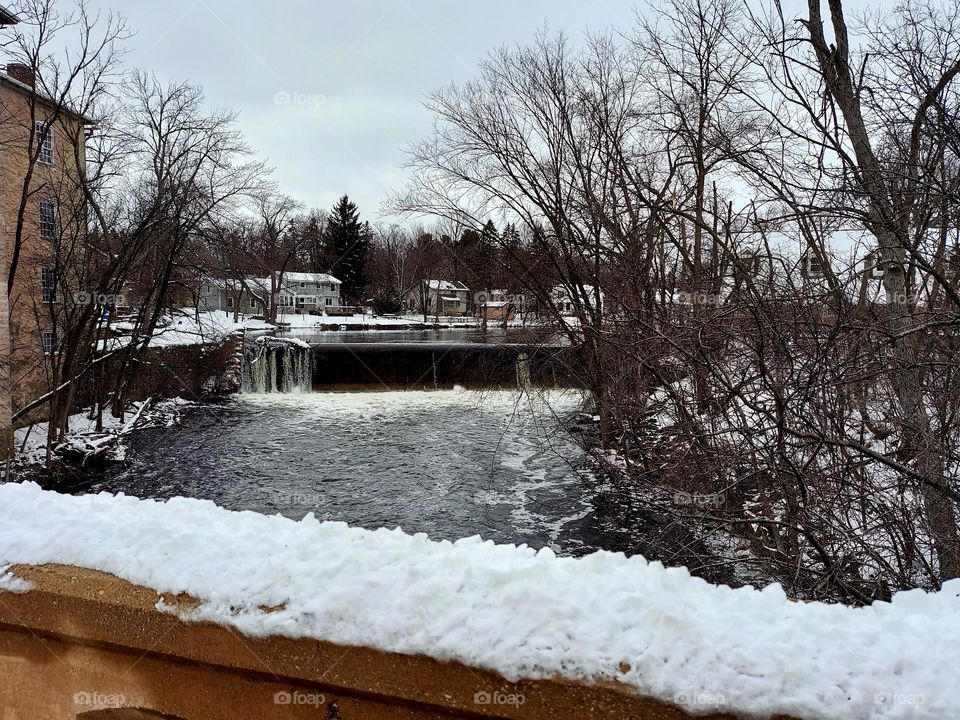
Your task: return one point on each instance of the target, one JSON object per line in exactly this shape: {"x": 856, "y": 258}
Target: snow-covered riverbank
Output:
{"x": 520, "y": 612}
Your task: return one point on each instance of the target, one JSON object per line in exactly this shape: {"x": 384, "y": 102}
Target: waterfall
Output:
{"x": 277, "y": 365}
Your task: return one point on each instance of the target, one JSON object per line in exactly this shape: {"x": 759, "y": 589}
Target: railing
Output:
{"x": 83, "y": 644}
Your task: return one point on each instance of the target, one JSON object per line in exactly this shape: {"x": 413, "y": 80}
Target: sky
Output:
{"x": 331, "y": 93}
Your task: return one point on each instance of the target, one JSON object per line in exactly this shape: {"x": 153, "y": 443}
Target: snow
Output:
{"x": 511, "y": 609}
{"x": 31, "y": 441}
{"x": 11, "y": 583}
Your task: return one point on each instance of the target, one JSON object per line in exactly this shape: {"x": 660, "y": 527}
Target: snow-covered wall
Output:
{"x": 522, "y": 613}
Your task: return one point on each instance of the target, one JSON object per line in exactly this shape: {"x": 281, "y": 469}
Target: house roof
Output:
{"x": 262, "y": 285}
{"x": 311, "y": 278}
{"x": 446, "y": 285}
{"x": 7, "y": 17}
{"x": 449, "y": 298}
{"x": 25, "y": 89}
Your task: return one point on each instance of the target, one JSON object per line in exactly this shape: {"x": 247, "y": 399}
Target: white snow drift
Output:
{"x": 511, "y": 609}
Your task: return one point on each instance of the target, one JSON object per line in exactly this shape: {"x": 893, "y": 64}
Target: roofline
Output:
{"x": 43, "y": 99}
{"x": 7, "y": 17}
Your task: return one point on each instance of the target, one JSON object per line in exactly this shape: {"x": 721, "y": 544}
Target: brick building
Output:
{"x": 41, "y": 165}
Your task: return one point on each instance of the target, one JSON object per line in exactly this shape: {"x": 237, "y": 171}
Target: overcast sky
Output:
{"x": 331, "y": 92}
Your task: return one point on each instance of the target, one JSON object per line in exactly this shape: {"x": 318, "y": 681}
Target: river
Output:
{"x": 450, "y": 463}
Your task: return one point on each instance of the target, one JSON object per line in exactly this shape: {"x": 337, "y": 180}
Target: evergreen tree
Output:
{"x": 347, "y": 240}
{"x": 487, "y": 248}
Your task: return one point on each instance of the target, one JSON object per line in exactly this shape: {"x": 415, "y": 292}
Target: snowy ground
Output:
{"x": 31, "y": 441}
{"x": 520, "y": 612}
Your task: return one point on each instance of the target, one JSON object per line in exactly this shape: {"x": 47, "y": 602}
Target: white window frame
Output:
{"x": 328, "y": 302}
{"x": 229, "y": 302}
{"x": 45, "y": 154}
{"x": 285, "y": 301}
{"x": 253, "y": 302}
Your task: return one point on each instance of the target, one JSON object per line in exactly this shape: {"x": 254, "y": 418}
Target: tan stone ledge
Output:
{"x": 85, "y": 644}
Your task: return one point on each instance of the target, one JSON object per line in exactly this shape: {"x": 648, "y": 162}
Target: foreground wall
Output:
{"x": 83, "y": 644}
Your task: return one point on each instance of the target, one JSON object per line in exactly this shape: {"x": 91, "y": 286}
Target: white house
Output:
{"x": 439, "y": 297}
{"x": 561, "y": 298}
{"x": 300, "y": 293}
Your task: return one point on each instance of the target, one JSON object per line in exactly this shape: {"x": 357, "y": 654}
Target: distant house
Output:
{"x": 562, "y": 300}
{"x": 498, "y": 305}
{"x": 439, "y": 297}
{"x": 300, "y": 294}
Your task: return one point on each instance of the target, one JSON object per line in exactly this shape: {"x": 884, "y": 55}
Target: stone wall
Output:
{"x": 86, "y": 645}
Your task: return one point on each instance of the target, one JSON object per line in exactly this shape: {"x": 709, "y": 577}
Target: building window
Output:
{"x": 229, "y": 302}
{"x": 48, "y": 345}
{"x": 45, "y": 143}
{"x": 253, "y": 302}
{"x": 48, "y": 285}
{"x": 48, "y": 220}
{"x": 303, "y": 284}
{"x": 328, "y": 302}
{"x": 286, "y": 301}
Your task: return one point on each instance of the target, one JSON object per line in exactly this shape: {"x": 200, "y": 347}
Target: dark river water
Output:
{"x": 451, "y": 463}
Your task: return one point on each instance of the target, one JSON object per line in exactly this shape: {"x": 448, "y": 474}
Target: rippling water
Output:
{"x": 449, "y": 463}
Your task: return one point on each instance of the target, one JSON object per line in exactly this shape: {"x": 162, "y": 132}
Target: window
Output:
{"x": 303, "y": 284}
{"x": 48, "y": 220}
{"x": 953, "y": 259}
{"x": 48, "y": 345}
{"x": 328, "y": 302}
{"x": 286, "y": 301}
{"x": 253, "y": 302}
{"x": 229, "y": 302}
{"x": 45, "y": 143}
{"x": 48, "y": 285}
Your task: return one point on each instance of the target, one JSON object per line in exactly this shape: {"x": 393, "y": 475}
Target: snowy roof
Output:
{"x": 262, "y": 285}
{"x": 311, "y": 278}
{"x": 446, "y": 285}
{"x": 523, "y": 613}
{"x": 449, "y": 298}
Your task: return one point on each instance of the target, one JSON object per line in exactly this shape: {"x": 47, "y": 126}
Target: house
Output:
{"x": 41, "y": 139}
{"x": 439, "y": 297}
{"x": 299, "y": 294}
{"x": 498, "y": 305}
{"x": 562, "y": 299}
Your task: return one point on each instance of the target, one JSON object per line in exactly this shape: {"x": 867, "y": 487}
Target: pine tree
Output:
{"x": 347, "y": 239}
{"x": 484, "y": 264}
